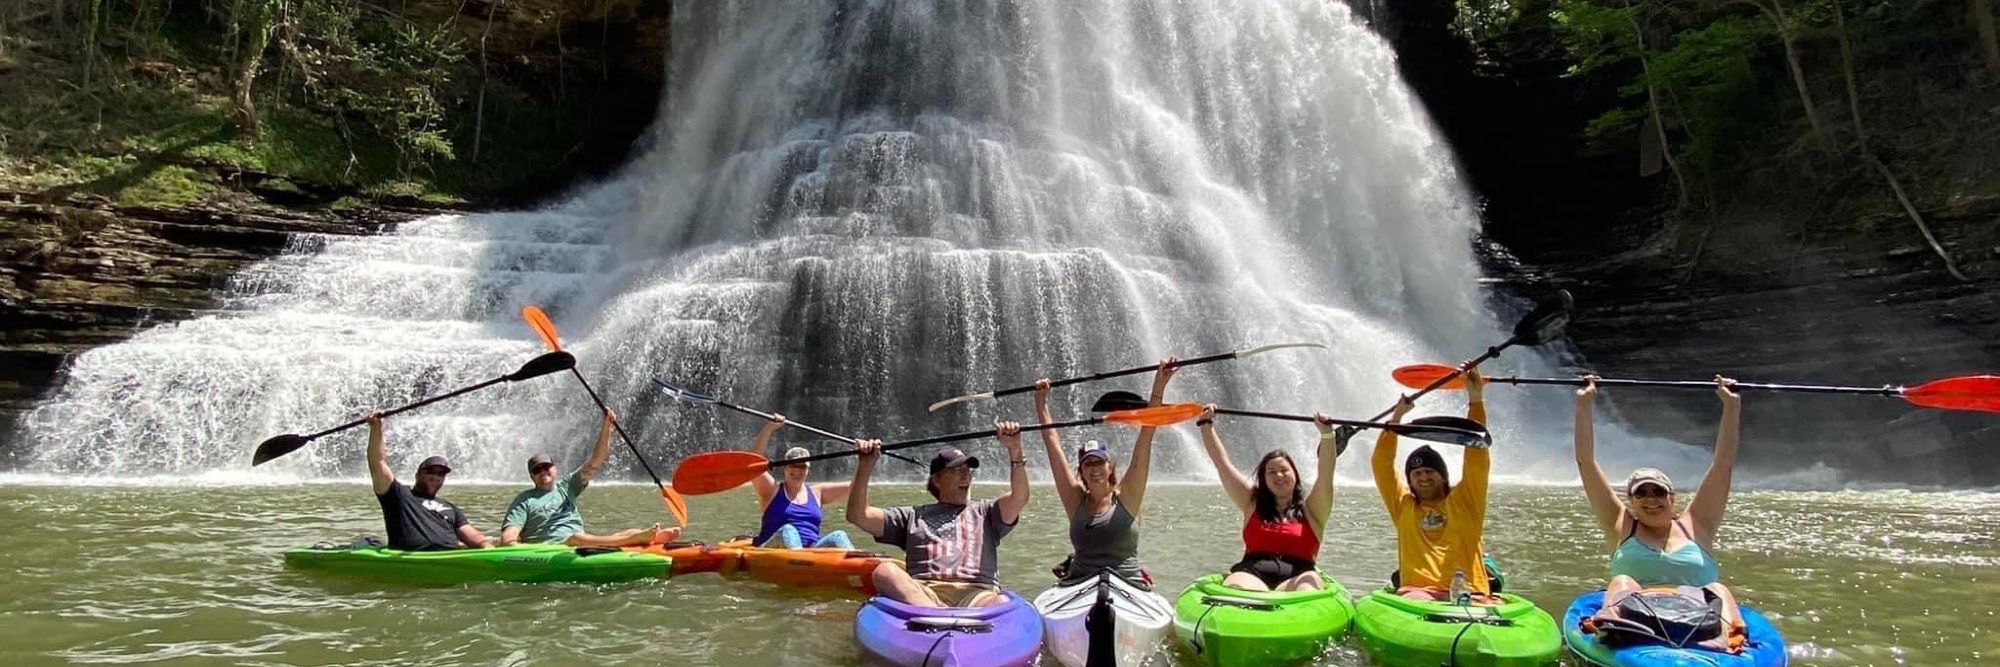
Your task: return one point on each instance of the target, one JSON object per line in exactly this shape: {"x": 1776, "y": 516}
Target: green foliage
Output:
{"x": 1727, "y": 98}
{"x": 380, "y": 98}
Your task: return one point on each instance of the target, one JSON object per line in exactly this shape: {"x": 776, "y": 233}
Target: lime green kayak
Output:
{"x": 1231, "y": 627}
{"x": 528, "y": 563}
{"x": 1399, "y": 631}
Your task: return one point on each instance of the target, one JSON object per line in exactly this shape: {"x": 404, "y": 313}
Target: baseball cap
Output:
{"x": 1645, "y": 476}
{"x": 538, "y": 461}
{"x": 435, "y": 461}
{"x": 1092, "y": 450}
{"x": 949, "y": 457}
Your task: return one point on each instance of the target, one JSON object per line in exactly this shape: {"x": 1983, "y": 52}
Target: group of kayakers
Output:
{"x": 414, "y": 518}
{"x": 951, "y": 544}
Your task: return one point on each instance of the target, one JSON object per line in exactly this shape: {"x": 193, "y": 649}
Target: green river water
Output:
{"x": 192, "y": 576}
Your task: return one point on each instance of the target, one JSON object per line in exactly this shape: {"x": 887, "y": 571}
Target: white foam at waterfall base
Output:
{"x": 848, "y": 210}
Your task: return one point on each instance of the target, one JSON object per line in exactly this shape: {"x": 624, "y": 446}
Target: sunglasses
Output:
{"x": 1650, "y": 491}
{"x": 434, "y": 470}
{"x": 538, "y": 469}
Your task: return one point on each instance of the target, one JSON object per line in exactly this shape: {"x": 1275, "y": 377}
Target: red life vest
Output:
{"x": 1292, "y": 538}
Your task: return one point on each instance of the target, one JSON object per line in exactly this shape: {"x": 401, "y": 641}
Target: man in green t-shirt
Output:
{"x": 547, "y": 513}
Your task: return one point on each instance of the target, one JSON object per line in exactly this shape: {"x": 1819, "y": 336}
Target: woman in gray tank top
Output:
{"x": 1102, "y": 506}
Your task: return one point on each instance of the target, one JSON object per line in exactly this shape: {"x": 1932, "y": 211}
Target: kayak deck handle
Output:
{"x": 1241, "y": 603}
{"x": 1500, "y": 621}
{"x": 947, "y": 624}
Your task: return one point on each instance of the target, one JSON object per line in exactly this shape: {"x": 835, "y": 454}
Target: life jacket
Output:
{"x": 1678, "y": 617}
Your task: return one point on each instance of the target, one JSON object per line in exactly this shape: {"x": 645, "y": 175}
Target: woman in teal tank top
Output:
{"x": 1101, "y": 505}
{"x": 1652, "y": 544}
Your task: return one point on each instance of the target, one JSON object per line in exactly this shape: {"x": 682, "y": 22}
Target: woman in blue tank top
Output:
{"x": 1652, "y": 544}
{"x": 792, "y": 508}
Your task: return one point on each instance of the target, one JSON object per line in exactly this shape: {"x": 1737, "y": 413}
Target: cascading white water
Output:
{"x": 850, "y": 209}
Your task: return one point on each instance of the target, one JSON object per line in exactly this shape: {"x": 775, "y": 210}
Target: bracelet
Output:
{"x": 1203, "y": 422}
{"x": 1328, "y": 436}
{"x": 1019, "y": 464}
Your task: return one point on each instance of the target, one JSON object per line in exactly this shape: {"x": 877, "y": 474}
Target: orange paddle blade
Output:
{"x": 715, "y": 472}
{"x": 539, "y": 321}
{"x": 1418, "y": 376}
{"x": 1162, "y": 415}
{"x": 676, "y": 505}
{"x": 1973, "y": 392}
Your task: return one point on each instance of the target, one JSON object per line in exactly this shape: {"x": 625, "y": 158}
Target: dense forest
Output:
{"x": 148, "y": 100}
{"x": 1833, "y": 107}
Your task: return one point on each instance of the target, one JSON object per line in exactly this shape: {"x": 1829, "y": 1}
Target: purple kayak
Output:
{"x": 1008, "y": 634}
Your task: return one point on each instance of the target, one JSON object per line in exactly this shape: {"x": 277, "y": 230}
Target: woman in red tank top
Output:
{"x": 1282, "y": 525}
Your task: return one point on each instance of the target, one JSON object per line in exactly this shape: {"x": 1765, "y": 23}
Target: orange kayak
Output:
{"x": 693, "y": 557}
{"x": 810, "y": 568}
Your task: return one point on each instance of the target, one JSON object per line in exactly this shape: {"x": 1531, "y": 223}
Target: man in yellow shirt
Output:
{"x": 1438, "y": 527}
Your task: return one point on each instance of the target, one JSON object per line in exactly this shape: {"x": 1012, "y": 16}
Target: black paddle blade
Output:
{"x": 553, "y": 362}
{"x": 276, "y": 447}
{"x": 1114, "y": 401}
{"x": 1446, "y": 430}
{"x": 1546, "y": 322}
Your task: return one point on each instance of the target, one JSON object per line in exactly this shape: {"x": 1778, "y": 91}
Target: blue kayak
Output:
{"x": 1762, "y": 646}
{"x": 1008, "y": 634}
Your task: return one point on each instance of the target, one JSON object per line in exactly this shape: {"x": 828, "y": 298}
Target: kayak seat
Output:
{"x": 586, "y": 552}
{"x": 1493, "y": 583}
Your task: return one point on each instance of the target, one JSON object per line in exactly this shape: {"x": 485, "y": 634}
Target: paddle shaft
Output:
{"x": 803, "y": 427}
{"x": 936, "y": 439}
{"x": 1306, "y": 418}
{"x": 410, "y": 407}
{"x": 620, "y": 428}
{"x": 1118, "y": 373}
{"x": 1708, "y": 384}
{"x": 1490, "y": 353}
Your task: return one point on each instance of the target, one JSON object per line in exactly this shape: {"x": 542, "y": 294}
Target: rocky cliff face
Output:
{"x": 1798, "y": 290}
{"x": 1859, "y": 302}
{"x": 81, "y": 272}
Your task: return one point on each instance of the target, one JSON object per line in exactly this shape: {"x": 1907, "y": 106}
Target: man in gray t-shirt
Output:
{"x": 952, "y": 545}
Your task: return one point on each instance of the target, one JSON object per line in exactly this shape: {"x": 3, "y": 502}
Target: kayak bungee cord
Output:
{"x": 1451, "y": 658}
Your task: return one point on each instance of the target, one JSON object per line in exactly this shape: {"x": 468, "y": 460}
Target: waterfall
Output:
{"x": 848, "y": 210}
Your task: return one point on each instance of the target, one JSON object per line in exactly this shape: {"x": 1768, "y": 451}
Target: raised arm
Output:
{"x": 859, "y": 513}
{"x": 598, "y": 453}
{"x": 1471, "y": 489}
{"x": 378, "y": 459}
{"x": 1604, "y": 503}
{"x": 1132, "y": 485}
{"x": 1067, "y": 488}
{"x": 766, "y": 486}
{"x": 1234, "y": 484}
{"x": 1389, "y": 481}
{"x": 1713, "y": 495}
{"x": 1015, "y": 499}
{"x": 1319, "y": 501}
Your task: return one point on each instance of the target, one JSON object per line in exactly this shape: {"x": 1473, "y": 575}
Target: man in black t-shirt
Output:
{"x": 415, "y": 518}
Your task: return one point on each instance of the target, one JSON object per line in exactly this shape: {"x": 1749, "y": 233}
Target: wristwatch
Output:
{"x": 1019, "y": 464}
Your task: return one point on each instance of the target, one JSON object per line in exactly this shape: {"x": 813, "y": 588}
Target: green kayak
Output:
{"x": 1232, "y": 627}
{"x": 528, "y": 563}
{"x": 1399, "y": 631}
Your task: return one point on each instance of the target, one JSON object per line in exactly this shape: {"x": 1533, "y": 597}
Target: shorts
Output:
{"x": 956, "y": 593}
{"x": 1272, "y": 569}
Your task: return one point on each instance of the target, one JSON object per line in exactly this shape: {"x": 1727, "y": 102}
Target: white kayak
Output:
{"x": 1139, "y": 621}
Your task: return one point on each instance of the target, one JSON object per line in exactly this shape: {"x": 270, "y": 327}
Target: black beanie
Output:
{"x": 1425, "y": 457}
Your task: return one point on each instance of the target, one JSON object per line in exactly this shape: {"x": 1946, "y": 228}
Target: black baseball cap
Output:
{"x": 949, "y": 457}
{"x": 537, "y": 461}
{"x": 435, "y": 461}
